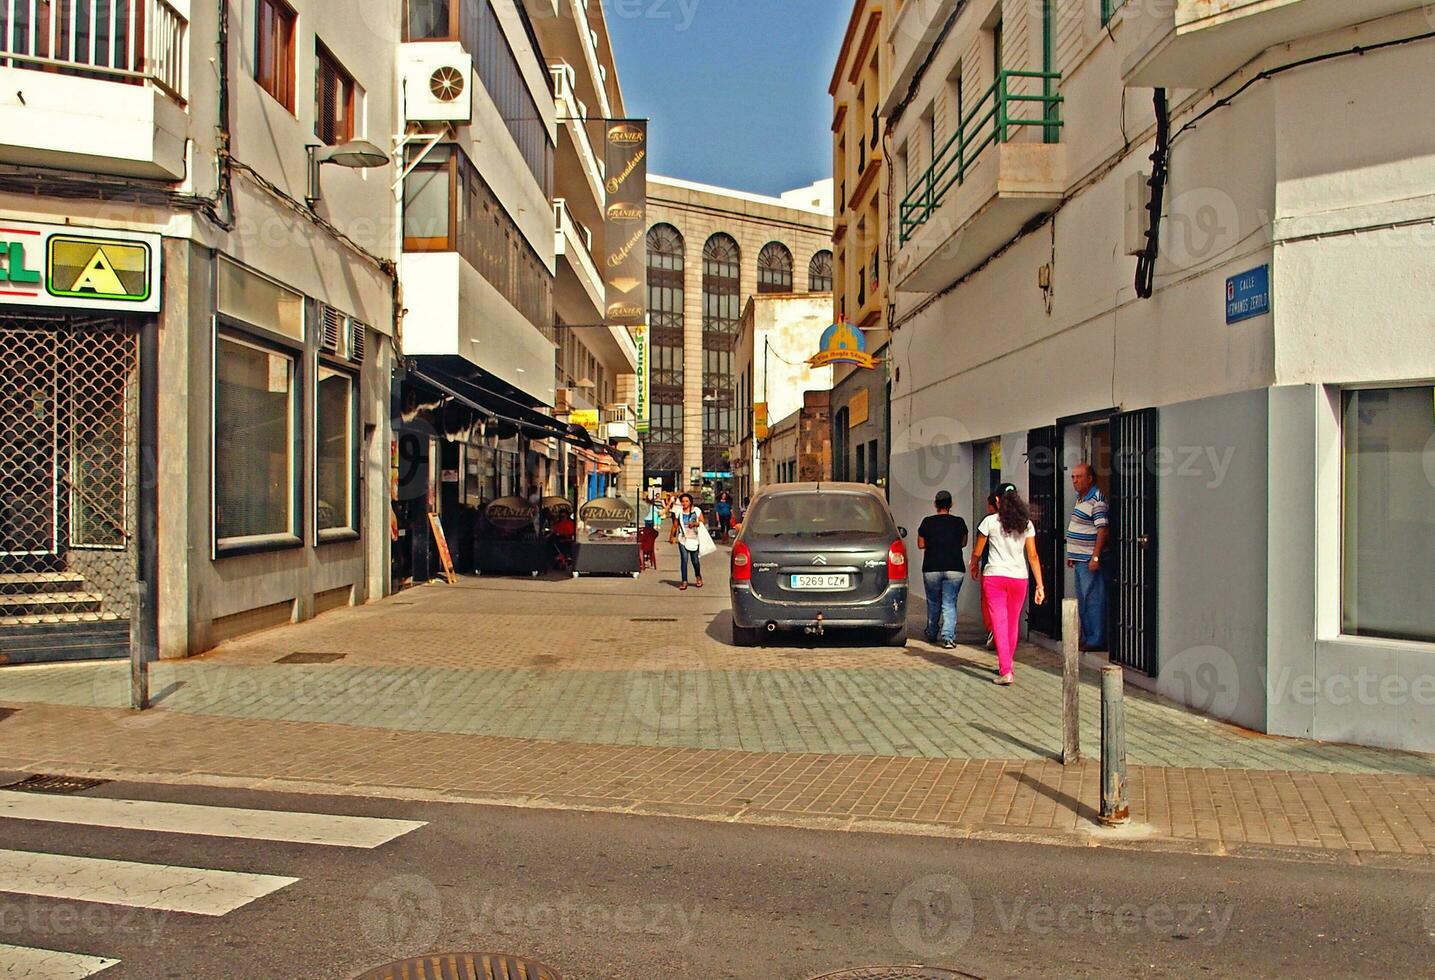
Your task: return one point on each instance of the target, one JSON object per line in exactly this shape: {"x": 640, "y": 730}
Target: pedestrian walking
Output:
{"x": 687, "y": 528}
{"x": 724, "y": 514}
{"x": 1010, "y": 537}
{"x": 943, "y": 539}
{"x": 1086, "y": 535}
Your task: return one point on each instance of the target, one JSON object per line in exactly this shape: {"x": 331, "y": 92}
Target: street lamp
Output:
{"x": 357, "y": 155}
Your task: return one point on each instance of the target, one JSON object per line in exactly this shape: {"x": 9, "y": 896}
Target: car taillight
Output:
{"x": 741, "y": 563}
{"x": 897, "y": 562}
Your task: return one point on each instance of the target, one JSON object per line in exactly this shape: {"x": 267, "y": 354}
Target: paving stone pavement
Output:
{"x": 628, "y": 694}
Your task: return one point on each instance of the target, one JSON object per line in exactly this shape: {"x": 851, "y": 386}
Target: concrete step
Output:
{"x": 50, "y": 603}
{"x": 30, "y": 583}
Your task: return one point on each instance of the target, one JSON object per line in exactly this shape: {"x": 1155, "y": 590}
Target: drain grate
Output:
{"x": 56, "y": 785}
{"x": 464, "y": 966}
{"x": 653, "y": 620}
{"x": 311, "y": 658}
{"x": 898, "y": 973}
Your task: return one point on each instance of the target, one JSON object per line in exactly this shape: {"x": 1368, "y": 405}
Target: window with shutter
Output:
{"x": 333, "y": 100}
{"x": 274, "y": 51}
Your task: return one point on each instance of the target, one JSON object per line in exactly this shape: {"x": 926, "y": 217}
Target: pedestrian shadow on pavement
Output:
{"x": 1010, "y": 739}
{"x": 1064, "y": 800}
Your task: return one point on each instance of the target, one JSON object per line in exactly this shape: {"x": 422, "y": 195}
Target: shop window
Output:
{"x": 274, "y": 51}
{"x": 256, "y": 471}
{"x": 334, "y": 100}
{"x": 1389, "y": 520}
{"x": 336, "y": 460}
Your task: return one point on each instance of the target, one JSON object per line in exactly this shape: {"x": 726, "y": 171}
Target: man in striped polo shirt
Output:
{"x": 1085, "y": 543}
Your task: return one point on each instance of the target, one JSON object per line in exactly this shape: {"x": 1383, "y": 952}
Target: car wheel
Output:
{"x": 897, "y": 637}
{"x": 744, "y": 636}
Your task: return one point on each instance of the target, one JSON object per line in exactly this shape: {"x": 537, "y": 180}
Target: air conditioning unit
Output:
{"x": 438, "y": 82}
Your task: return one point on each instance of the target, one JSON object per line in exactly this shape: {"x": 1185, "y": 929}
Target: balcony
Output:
{"x": 454, "y": 310}
{"x": 576, "y": 154}
{"x": 579, "y": 290}
{"x": 94, "y": 87}
{"x": 913, "y": 36}
{"x": 619, "y": 424}
{"x": 1197, "y": 43}
{"x": 1000, "y": 169}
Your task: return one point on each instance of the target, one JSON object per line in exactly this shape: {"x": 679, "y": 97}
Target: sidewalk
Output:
{"x": 626, "y": 695}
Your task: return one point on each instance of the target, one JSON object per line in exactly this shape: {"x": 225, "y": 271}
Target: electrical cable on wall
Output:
{"x": 1160, "y": 171}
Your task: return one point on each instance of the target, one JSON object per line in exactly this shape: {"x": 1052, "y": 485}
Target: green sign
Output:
{"x": 67, "y": 267}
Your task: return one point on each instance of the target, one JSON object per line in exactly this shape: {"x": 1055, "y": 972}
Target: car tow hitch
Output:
{"x": 816, "y": 628}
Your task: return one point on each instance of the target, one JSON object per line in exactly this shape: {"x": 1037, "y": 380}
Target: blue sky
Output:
{"x": 736, "y": 89}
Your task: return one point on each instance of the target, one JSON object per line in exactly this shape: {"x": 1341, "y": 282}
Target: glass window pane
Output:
{"x": 1389, "y": 555}
{"x": 254, "y": 472}
{"x": 426, "y": 204}
{"x": 334, "y": 465}
{"x": 428, "y": 19}
{"x": 259, "y": 301}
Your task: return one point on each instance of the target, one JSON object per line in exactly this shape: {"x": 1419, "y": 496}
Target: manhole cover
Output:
{"x": 464, "y": 966}
{"x": 56, "y": 785}
{"x": 310, "y": 658}
{"x": 898, "y": 973}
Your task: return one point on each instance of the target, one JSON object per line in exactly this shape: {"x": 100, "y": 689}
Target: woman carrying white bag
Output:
{"x": 694, "y": 541}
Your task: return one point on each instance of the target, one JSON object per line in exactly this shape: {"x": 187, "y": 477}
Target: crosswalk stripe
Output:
{"x": 206, "y": 821}
{"x": 148, "y": 886}
{"x": 26, "y": 963}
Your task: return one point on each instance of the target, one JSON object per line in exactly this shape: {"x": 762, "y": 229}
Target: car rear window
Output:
{"x": 817, "y": 513}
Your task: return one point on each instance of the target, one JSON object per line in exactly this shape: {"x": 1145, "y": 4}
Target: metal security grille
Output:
{"x": 1044, "y": 495}
{"x": 69, "y": 415}
{"x": 1134, "y": 634}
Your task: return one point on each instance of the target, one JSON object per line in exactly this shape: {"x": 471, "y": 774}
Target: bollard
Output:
{"x": 1115, "y": 810}
{"x": 1070, "y": 684}
{"x": 139, "y": 652}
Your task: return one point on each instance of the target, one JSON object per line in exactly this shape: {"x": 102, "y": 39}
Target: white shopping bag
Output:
{"x": 706, "y": 544}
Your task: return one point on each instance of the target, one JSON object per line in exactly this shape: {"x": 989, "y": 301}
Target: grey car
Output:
{"x": 817, "y": 557}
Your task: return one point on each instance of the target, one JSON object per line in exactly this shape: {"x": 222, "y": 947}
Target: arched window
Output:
{"x": 722, "y": 315}
{"x": 774, "y": 269}
{"x": 663, "y": 448}
{"x": 819, "y": 272}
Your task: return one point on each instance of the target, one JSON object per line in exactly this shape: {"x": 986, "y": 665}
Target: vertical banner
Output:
{"x": 640, "y": 337}
{"x": 625, "y": 264}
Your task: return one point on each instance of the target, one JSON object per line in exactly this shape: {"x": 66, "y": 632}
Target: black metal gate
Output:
{"x": 1134, "y": 483}
{"x": 69, "y": 458}
{"x": 1043, "y": 458}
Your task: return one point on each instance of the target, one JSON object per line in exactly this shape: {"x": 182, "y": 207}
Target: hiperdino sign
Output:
{"x": 65, "y": 267}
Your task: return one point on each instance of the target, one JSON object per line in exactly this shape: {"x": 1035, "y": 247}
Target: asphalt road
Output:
{"x": 611, "y": 896}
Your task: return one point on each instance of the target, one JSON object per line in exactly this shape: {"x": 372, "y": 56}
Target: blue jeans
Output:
{"x": 685, "y": 556}
{"x": 1091, "y": 603}
{"x": 942, "y": 589}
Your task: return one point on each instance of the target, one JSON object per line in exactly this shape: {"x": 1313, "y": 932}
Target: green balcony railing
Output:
{"x": 992, "y": 120}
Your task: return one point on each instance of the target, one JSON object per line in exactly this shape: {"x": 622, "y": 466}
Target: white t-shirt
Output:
{"x": 688, "y": 526}
{"x": 1006, "y": 552}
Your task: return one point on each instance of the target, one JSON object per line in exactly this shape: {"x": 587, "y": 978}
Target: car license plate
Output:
{"x": 821, "y": 582}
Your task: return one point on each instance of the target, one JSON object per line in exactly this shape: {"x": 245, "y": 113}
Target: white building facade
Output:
{"x": 195, "y": 319}
{"x": 1253, "y": 387}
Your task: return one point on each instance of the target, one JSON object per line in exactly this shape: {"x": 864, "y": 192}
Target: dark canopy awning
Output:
{"x": 475, "y": 388}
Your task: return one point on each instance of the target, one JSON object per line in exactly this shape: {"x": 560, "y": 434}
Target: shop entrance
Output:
{"x": 69, "y": 459}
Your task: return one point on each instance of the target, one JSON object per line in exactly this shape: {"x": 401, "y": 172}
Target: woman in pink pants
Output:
{"x": 1011, "y": 538}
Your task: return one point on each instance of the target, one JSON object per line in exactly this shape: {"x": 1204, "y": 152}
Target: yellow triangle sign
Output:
{"x": 99, "y": 277}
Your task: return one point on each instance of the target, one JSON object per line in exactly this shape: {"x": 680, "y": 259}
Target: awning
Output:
{"x": 474, "y": 387}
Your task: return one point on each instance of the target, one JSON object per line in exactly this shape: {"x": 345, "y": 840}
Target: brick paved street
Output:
{"x": 621, "y": 694}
